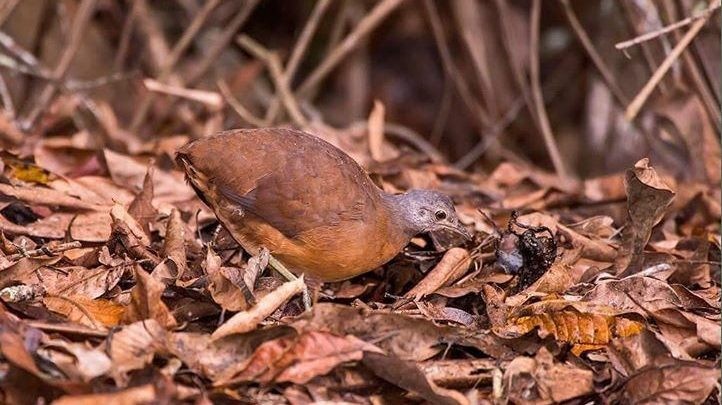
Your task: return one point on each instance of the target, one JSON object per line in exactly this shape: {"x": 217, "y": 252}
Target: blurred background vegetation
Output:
{"x": 539, "y": 83}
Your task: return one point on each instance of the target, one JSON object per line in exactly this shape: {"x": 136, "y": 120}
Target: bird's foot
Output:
{"x": 279, "y": 267}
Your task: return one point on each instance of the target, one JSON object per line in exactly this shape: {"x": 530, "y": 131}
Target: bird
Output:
{"x": 310, "y": 204}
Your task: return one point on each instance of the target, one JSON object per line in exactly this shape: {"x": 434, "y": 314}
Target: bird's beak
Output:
{"x": 459, "y": 229}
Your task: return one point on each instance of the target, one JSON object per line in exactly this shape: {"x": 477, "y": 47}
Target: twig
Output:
{"x": 442, "y": 115}
{"x": 45, "y": 251}
{"x": 516, "y": 65}
{"x": 170, "y": 60}
{"x": 478, "y": 113}
{"x": 238, "y": 107}
{"x": 468, "y": 17}
{"x": 669, "y": 28}
{"x": 478, "y": 150}
{"x": 407, "y": 135}
{"x": 66, "y": 328}
{"x": 274, "y": 67}
{"x": 209, "y": 98}
{"x": 689, "y": 63}
{"x": 22, "y": 54}
{"x": 632, "y": 23}
{"x": 188, "y": 35}
{"x": 80, "y": 21}
{"x": 349, "y": 43}
{"x": 537, "y": 96}
{"x": 222, "y": 42}
{"x": 299, "y": 49}
{"x": 6, "y": 8}
{"x": 7, "y": 98}
{"x": 641, "y": 98}
{"x": 80, "y": 308}
{"x": 125, "y": 36}
{"x": 594, "y": 55}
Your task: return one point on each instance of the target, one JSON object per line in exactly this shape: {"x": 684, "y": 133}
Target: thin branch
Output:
{"x": 238, "y": 107}
{"x": 7, "y": 98}
{"x": 80, "y": 22}
{"x": 468, "y": 18}
{"x": 45, "y": 251}
{"x": 209, "y": 98}
{"x": 632, "y": 23}
{"x": 187, "y": 37}
{"x": 594, "y": 55}
{"x": 223, "y": 40}
{"x": 297, "y": 53}
{"x": 349, "y": 43}
{"x": 125, "y": 35}
{"x": 22, "y": 54}
{"x": 304, "y": 39}
{"x": 482, "y": 146}
{"x": 537, "y": 96}
{"x": 274, "y": 67}
{"x": 6, "y": 8}
{"x": 478, "y": 113}
{"x": 67, "y": 328}
{"x": 636, "y": 105}
{"x": 407, "y": 135}
{"x": 669, "y": 28}
{"x": 170, "y": 60}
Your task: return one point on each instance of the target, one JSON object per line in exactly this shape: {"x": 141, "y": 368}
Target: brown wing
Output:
{"x": 292, "y": 180}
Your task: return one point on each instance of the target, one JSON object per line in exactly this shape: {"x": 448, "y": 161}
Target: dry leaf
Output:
{"x": 221, "y": 285}
{"x": 95, "y": 313}
{"x": 453, "y": 265}
{"x": 674, "y": 381}
{"x": 300, "y": 358}
{"x": 146, "y": 300}
{"x": 133, "y": 346}
{"x": 174, "y": 247}
{"x": 248, "y": 320}
{"x": 543, "y": 380}
{"x": 406, "y": 375}
{"x": 141, "y": 208}
{"x": 647, "y": 200}
{"x": 141, "y": 394}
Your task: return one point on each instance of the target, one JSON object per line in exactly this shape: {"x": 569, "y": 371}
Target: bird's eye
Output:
{"x": 440, "y": 215}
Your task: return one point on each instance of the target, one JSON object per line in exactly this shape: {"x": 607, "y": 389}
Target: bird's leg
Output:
{"x": 279, "y": 267}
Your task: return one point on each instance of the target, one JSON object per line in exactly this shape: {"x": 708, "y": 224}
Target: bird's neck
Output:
{"x": 400, "y": 222}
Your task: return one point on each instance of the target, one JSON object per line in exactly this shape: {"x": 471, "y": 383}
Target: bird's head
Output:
{"x": 429, "y": 211}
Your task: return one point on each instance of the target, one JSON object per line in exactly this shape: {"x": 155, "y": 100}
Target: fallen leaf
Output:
{"x": 146, "y": 300}
{"x": 47, "y": 196}
{"x": 542, "y": 380}
{"x": 78, "y": 361}
{"x": 406, "y": 375}
{"x": 82, "y": 281}
{"x": 24, "y": 270}
{"x": 300, "y": 358}
{"x": 133, "y": 346}
{"x": 648, "y": 197}
{"x": 402, "y": 336}
{"x": 453, "y": 265}
{"x": 174, "y": 246}
{"x": 141, "y": 208}
{"x": 141, "y": 394}
{"x": 246, "y": 321}
{"x": 95, "y": 313}
{"x": 221, "y": 285}
{"x": 91, "y": 227}
{"x": 673, "y": 381}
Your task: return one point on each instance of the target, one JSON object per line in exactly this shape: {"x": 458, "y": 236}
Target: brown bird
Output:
{"x": 310, "y": 204}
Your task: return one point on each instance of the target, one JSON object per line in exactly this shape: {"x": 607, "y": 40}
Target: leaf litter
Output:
{"x": 117, "y": 285}
{"x": 600, "y": 294}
